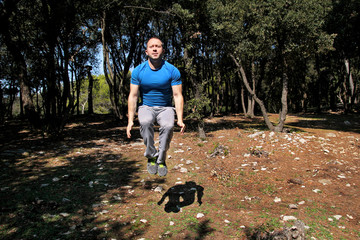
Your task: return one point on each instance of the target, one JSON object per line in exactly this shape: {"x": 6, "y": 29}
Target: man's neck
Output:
{"x": 155, "y": 64}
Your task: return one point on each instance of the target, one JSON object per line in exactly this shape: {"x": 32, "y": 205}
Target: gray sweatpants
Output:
{"x": 165, "y": 117}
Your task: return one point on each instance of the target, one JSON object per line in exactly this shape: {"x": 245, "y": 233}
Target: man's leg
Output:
{"x": 146, "y": 120}
{"x": 165, "y": 119}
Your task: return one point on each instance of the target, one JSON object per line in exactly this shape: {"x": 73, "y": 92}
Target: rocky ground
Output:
{"x": 241, "y": 182}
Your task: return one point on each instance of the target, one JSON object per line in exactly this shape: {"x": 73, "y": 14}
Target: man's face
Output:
{"x": 154, "y": 49}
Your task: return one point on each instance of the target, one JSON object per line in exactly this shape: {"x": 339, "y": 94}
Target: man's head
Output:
{"x": 154, "y": 48}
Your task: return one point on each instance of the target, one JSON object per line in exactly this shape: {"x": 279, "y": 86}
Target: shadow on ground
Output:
{"x": 55, "y": 189}
{"x": 337, "y": 122}
{"x": 182, "y": 195}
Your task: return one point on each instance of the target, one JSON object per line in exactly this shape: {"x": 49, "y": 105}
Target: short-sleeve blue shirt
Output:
{"x": 156, "y": 85}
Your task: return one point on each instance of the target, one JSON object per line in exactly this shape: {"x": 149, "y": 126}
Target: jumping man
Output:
{"x": 157, "y": 81}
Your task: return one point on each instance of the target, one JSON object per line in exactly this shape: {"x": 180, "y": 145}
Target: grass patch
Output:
{"x": 269, "y": 189}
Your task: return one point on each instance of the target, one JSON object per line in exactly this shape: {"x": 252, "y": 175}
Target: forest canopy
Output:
{"x": 246, "y": 56}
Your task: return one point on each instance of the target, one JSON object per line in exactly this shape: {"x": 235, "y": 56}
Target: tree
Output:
{"x": 266, "y": 28}
{"x": 344, "y": 21}
{"x": 12, "y": 20}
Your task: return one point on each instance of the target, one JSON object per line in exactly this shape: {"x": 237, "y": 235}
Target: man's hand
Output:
{"x": 182, "y": 126}
{"x": 128, "y": 129}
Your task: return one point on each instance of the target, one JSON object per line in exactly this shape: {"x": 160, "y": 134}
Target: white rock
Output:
{"x": 67, "y": 233}
{"x": 254, "y": 135}
{"x": 301, "y": 203}
{"x": 293, "y": 206}
{"x": 117, "y": 197}
{"x": 171, "y": 223}
{"x": 316, "y": 190}
{"x": 189, "y": 162}
{"x": 64, "y": 214}
{"x": 55, "y": 179}
{"x": 183, "y": 170}
{"x": 200, "y": 215}
{"x": 331, "y": 135}
{"x": 349, "y": 216}
{"x": 143, "y": 220}
{"x": 158, "y": 189}
{"x": 337, "y": 217}
{"x": 330, "y": 219}
{"x": 325, "y": 181}
{"x": 289, "y": 218}
{"x": 341, "y": 176}
{"x": 277, "y": 200}
{"x": 226, "y": 221}
{"x": 66, "y": 200}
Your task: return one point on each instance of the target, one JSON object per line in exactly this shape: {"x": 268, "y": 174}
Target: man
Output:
{"x": 157, "y": 81}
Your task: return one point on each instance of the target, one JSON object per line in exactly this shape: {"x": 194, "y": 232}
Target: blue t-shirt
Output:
{"x": 156, "y": 85}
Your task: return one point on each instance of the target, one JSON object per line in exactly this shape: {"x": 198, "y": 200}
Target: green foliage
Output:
{"x": 101, "y": 95}
{"x": 52, "y": 41}
{"x": 196, "y": 107}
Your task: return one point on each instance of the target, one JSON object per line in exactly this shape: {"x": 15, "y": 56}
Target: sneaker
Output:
{"x": 152, "y": 166}
{"x": 162, "y": 170}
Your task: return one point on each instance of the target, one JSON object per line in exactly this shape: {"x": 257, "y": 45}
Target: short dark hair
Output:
{"x": 155, "y": 37}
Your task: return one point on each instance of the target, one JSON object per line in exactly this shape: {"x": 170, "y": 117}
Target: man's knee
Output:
{"x": 146, "y": 122}
{"x": 167, "y": 126}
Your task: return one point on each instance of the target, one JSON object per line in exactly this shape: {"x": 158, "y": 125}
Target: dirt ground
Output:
{"x": 241, "y": 182}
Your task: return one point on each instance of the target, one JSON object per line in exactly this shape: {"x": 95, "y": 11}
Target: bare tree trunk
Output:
{"x": 90, "y": 89}
{"x": 242, "y": 75}
{"x": 110, "y": 75}
{"x": 351, "y": 82}
{"x": 243, "y": 101}
{"x": 284, "y": 108}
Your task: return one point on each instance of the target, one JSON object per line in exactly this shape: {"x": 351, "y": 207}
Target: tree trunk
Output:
{"x": 109, "y": 73}
{"x": 2, "y": 107}
{"x": 284, "y": 108}
{"x": 351, "y": 82}
{"x": 90, "y": 90}
{"x": 78, "y": 80}
{"x": 243, "y": 101}
{"x": 201, "y": 129}
{"x": 15, "y": 50}
{"x": 242, "y": 75}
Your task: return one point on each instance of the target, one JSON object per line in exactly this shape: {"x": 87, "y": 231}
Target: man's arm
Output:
{"x": 179, "y": 106}
{"x": 132, "y": 101}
